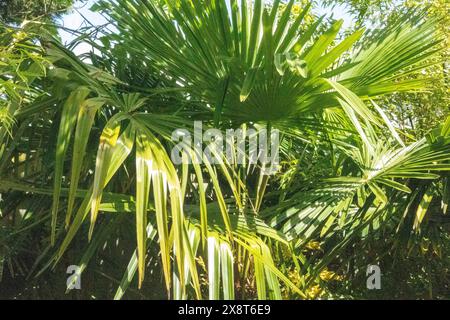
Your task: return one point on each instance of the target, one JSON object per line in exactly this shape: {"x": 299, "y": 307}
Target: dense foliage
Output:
{"x": 16, "y": 11}
{"x": 86, "y": 176}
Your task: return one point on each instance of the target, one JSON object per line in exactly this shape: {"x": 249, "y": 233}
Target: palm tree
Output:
{"x": 231, "y": 64}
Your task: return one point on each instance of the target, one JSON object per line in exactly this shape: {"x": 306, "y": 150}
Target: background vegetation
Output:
{"x": 16, "y": 11}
